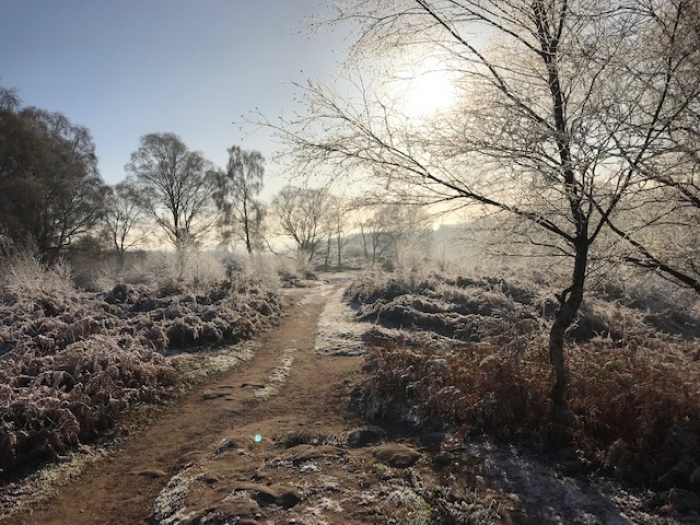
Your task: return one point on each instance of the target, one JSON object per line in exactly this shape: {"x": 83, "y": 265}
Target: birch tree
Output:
{"x": 542, "y": 131}
{"x": 236, "y": 197}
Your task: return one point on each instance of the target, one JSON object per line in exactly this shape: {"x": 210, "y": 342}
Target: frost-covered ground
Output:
{"x": 328, "y": 472}
{"x": 521, "y": 479}
{"x": 465, "y": 354}
{"x": 339, "y": 332}
{"x": 473, "y": 481}
{"x": 73, "y": 364}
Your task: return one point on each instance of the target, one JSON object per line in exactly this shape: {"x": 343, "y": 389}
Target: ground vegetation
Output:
{"x": 466, "y": 353}
{"x": 73, "y": 362}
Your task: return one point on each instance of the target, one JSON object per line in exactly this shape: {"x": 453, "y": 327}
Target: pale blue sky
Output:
{"x": 125, "y": 68}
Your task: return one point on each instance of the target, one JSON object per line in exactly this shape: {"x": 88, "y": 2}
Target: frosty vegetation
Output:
{"x": 465, "y": 353}
{"x": 72, "y": 362}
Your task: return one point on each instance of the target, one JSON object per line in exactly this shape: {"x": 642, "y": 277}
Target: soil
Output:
{"x": 274, "y": 441}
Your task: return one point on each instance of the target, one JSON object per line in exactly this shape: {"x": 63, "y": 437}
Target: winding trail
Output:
{"x": 199, "y": 463}
{"x": 122, "y": 488}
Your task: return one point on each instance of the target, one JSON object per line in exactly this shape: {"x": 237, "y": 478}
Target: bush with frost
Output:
{"x": 469, "y": 354}
{"x": 73, "y": 362}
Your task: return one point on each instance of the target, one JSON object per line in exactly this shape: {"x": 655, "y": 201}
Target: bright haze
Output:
{"x": 131, "y": 67}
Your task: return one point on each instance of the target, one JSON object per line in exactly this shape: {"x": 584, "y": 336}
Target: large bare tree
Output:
{"x": 301, "y": 214}
{"x": 174, "y": 187}
{"x": 51, "y": 192}
{"x": 542, "y": 131}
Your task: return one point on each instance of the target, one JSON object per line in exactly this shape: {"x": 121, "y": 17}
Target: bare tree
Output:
{"x": 51, "y": 192}
{"x": 236, "y": 197}
{"x": 539, "y": 134}
{"x": 123, "y": 218}
{"x": 661, "y": 227}
{"x": 174, "y": 187}
{"x": 301, "y": 213}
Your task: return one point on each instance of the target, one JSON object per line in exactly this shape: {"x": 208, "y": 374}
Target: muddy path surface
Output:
{"x": 246, "y": 401}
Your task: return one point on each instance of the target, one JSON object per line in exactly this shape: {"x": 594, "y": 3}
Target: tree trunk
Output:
{"x": 569, "y": 303}
{"x": 340, "y": 249}
{"x": 248, "y": 242}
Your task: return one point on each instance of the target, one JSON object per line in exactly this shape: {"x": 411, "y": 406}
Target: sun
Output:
{"x": 425, "y": 90}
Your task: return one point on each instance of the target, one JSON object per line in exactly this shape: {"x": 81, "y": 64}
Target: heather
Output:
{"x": 74, "y": 362}
{"x": 469, "y": 354}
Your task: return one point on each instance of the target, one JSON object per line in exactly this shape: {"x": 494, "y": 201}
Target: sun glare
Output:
{"x": 425, "y": 90}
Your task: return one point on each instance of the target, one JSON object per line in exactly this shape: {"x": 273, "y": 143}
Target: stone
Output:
{"x": 397, "y": 455}
{"x": 366, "y": 436}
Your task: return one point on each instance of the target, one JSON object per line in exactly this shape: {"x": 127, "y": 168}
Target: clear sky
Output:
{"x": 125, "y": 68}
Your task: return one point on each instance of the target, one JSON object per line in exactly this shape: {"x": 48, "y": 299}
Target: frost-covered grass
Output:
{"x": 469, "y": 354}
{"x": 73, "y": 362}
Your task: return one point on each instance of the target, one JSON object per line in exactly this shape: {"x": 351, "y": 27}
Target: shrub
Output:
{"x": 72, "y": 362}
{"x": 633, "y": 389}
{"x": 25, "y": 276}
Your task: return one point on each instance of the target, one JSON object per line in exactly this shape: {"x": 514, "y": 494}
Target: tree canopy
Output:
{"x": 173, "y": 185}
{"x": 50, "y": 189}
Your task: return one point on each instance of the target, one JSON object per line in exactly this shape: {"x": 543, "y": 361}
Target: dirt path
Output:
{"x": 201, "y": 463}
{"x": 315, "y": 462}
